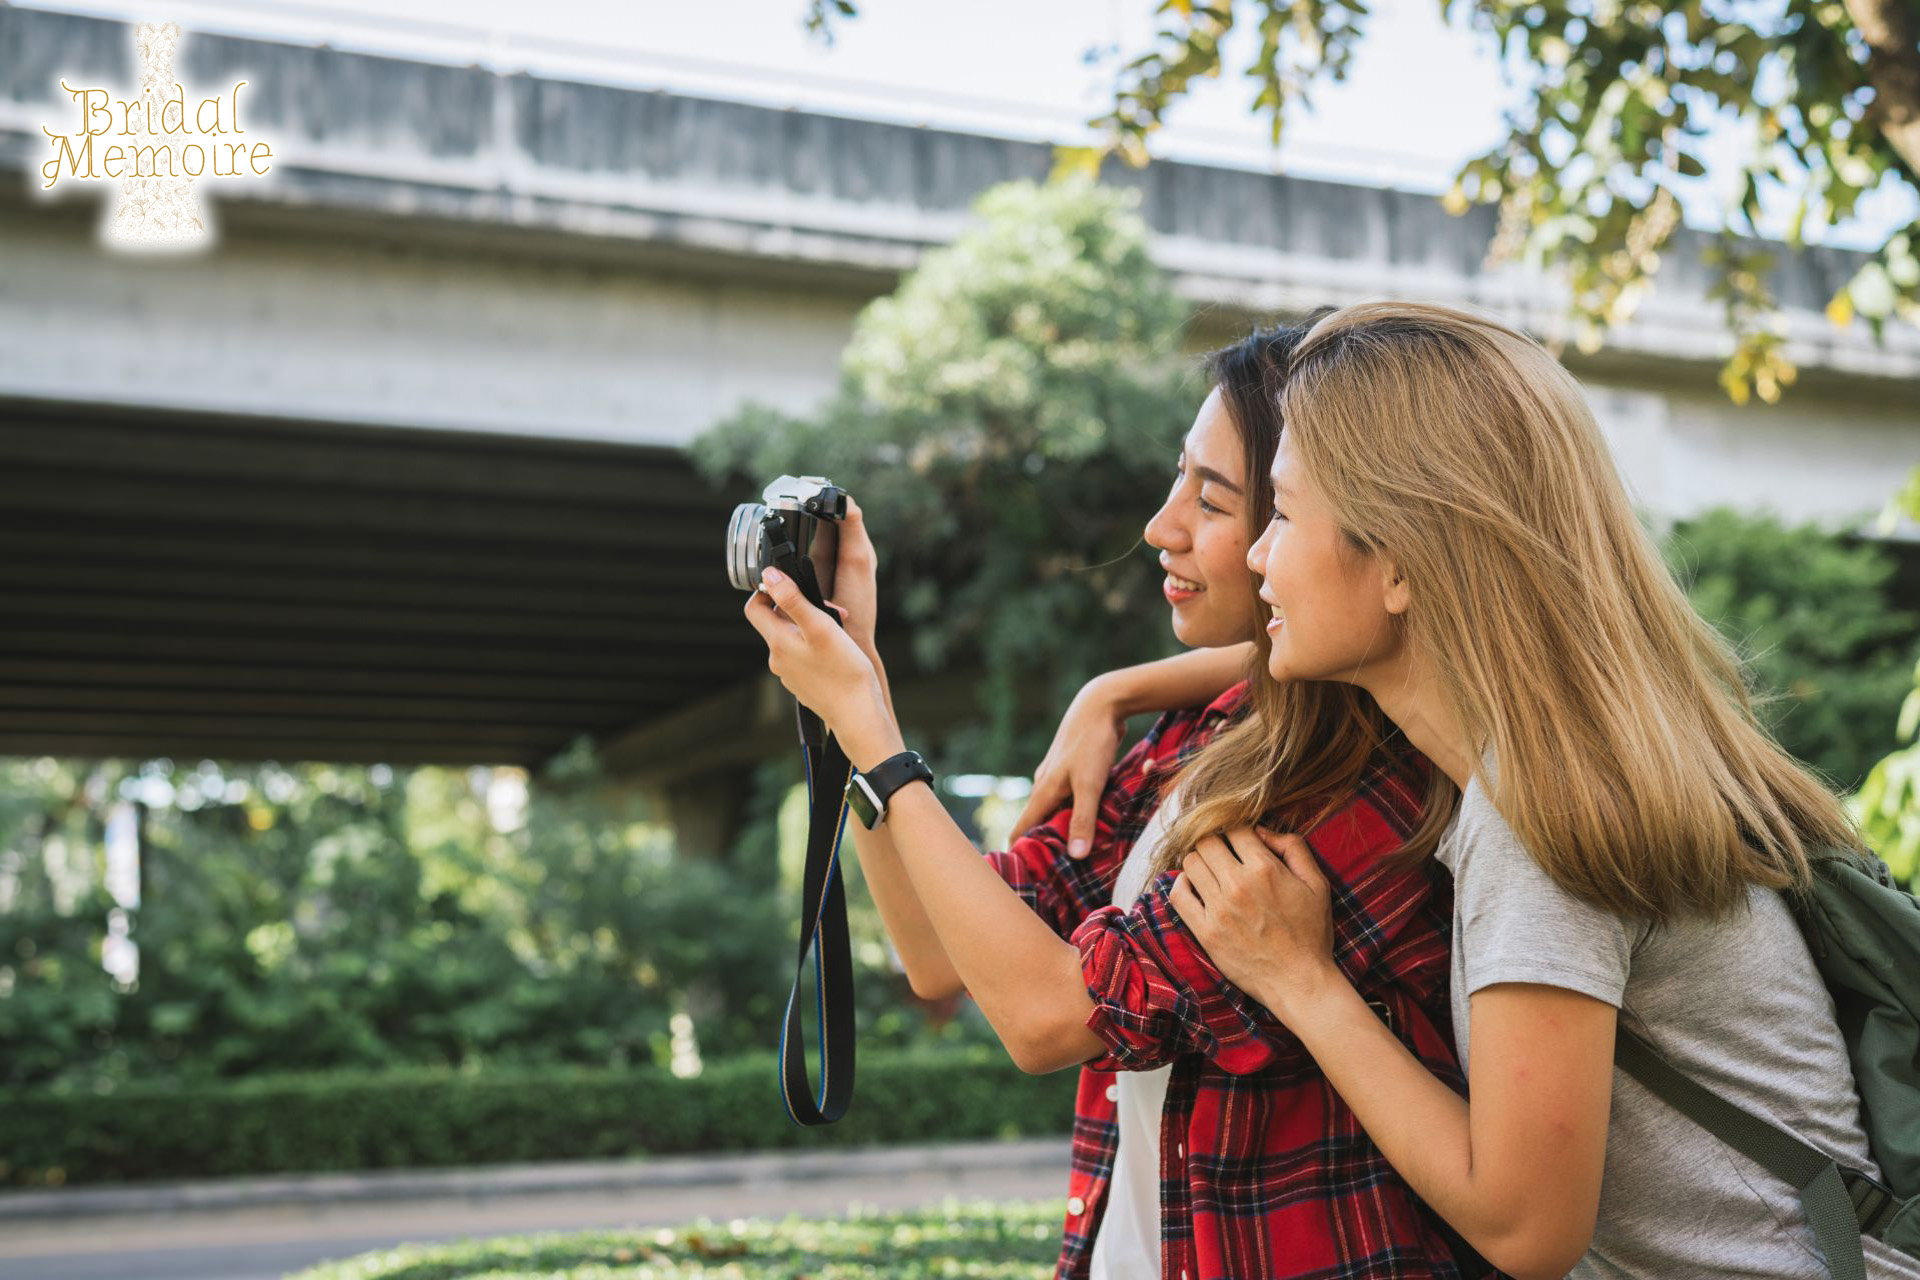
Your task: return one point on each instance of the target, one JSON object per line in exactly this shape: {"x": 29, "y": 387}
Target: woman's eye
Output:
{"x": 1210, "y": 509}
{"x": 1278, "y": 514}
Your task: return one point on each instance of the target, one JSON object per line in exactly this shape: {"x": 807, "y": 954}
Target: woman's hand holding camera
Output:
{"x": 856, "y": 591}
{"x": 825, "y": 667}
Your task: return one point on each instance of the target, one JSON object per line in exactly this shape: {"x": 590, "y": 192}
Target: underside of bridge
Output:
{"x": 198, "y": 585}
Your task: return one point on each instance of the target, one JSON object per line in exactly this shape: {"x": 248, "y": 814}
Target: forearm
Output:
{"x": 1418, "y": 1123}
{"x": 998, "y": 947}
{"x": 1422, "y": 1126}
{"x": 1184, "y": 680}
{"x": 929, "y": 971}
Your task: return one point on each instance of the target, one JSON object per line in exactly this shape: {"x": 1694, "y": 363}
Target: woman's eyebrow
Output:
{"x": 1208, "y": 473}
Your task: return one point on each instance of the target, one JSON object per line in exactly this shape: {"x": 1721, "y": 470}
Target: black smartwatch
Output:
{"x": 868, "y": 793}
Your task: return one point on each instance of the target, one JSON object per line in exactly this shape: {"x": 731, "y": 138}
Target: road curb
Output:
{"x": 480, "y": 1183}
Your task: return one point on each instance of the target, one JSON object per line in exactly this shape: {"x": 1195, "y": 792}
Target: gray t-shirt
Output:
{"x": 1735, "y": 1003}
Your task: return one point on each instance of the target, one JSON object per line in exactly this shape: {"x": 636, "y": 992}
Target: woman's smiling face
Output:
{"x": 1331, "y": 605}
{"x": 1201, "y": 532}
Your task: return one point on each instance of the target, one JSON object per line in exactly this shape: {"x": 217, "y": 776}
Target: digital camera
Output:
{"x": 797, "y": 516}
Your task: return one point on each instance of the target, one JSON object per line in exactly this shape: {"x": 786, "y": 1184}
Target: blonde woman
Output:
{"x": 1450, "y": 535}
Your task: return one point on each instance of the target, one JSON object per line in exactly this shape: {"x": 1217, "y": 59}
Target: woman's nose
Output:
{"x": 1163, "y": 531}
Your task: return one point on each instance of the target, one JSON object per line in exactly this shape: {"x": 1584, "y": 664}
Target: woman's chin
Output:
{"x": 1279, "y": 666}
{"x": 1198, "y": 633}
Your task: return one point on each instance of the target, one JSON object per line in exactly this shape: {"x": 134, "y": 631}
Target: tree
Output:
{"x": 1813, "y": 615}
{"x": 1617, "y": 96}
{"x": 1007, "y": 419}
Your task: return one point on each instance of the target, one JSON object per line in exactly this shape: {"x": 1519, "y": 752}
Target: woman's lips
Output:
{"x": 1176, "y": 592}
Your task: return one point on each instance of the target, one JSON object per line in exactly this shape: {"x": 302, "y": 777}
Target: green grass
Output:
{"x": 977, "y": 1239}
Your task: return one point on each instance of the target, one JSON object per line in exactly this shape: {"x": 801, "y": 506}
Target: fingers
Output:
{"x": 786, "y": 594}
{"x": 1186, "y": 903}
{"x": 766, "y": 619}
{"x": 1086, "y": 812}
{"x": 1041, "y": 801}
{"x": 1294, "y": 852}
{"x": 1197, "y": 868}
{"x": 853, "y": 531}
{"x": 1247, "y": 848}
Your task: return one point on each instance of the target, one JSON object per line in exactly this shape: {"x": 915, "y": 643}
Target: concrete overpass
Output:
{"x": 395, "y": 473}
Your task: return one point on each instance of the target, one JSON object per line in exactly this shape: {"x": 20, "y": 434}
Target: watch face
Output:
{"x": 860, "y": 802}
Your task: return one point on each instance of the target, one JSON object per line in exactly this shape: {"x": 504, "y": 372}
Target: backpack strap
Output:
{"x": 1841, "y": 1204}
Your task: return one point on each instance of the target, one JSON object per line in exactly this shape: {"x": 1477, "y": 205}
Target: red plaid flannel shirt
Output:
{"x": 1264, "y": 1171}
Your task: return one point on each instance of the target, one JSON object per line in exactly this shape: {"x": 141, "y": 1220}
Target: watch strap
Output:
{"x": 880, "y": 782}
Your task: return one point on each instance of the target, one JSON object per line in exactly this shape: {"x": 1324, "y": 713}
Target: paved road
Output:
{"x": 266, "y": 1241}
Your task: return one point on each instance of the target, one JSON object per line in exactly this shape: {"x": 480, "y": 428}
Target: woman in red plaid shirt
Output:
{"x": 1206, "y": 1142}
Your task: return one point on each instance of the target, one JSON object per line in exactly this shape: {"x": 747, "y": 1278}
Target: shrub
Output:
{"x": 1813, "y": 613}
{"x": 424, "y": 1118}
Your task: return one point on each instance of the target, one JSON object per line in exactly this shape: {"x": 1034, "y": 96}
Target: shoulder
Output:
{"x": 1177, "y": 734}
{"x": 1516, "y": 923}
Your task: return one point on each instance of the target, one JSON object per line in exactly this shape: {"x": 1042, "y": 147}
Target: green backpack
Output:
{"x": 1864, "y": 933}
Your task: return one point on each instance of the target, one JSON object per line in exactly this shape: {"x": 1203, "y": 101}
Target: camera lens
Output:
{"x": 746, "y": 550}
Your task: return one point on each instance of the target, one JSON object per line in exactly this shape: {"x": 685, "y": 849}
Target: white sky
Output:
{"x": 1422, "y": 97}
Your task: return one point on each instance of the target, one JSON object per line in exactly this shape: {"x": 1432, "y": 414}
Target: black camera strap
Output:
{"x": 823, "y": 912}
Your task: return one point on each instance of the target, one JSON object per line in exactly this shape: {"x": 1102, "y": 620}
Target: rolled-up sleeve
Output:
{"x": 1156, "y": 995}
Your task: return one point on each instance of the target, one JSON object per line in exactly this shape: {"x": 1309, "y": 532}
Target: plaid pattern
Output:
{"x": 1264, "y": 1171}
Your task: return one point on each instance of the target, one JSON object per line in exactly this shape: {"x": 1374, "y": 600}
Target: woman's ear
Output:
{"x": 1393, "y": 587}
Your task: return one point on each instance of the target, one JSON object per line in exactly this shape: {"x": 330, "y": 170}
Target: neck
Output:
{"x": 1409, "y": 695}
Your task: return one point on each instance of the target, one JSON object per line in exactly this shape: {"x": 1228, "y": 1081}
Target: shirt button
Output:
{"x": 1180, "y": 1149}
{"x": 1076, "y": 1206}
{"x": 1113, "y": 1093}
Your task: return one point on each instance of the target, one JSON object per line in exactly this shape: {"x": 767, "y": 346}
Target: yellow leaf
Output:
{"x": 1074, "y": 162}
{"x": 1840, "y": 310}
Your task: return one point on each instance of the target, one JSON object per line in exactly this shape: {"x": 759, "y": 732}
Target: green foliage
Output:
{"x": 429, "y": 1118}
{"x": 1811, "y": 612}
{"x": 1888, "y": 802}
{"x": 297, "y": 919}
{"x": 983, "y": 1240}
{"x": 1621, "y": 100}
{"x": 1006, "y": 419}
{"x": 1616, "y": 101}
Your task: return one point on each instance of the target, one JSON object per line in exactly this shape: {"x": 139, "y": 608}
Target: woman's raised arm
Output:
{"x": 1087, "y": 742}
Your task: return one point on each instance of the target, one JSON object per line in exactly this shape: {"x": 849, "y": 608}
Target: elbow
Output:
{"x": 1029, "y": 1053}
{"x": 935, "y": 987}
{"x": 1054, "y": 1049}
{"x": 1037, "y": 1060}
{"x": 1538, "y": 1253}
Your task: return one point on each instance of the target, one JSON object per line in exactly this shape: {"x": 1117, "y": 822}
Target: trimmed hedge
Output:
{"x": 425, "y": 1118}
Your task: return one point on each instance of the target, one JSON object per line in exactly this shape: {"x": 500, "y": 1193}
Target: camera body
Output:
{"x": 797, "y": 517}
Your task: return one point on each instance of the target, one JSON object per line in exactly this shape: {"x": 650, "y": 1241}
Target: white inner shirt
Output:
{"x": 1126, "y": 1245}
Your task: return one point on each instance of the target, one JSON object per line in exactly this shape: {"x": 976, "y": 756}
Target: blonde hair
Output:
{"x": 1627, "y": 755}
